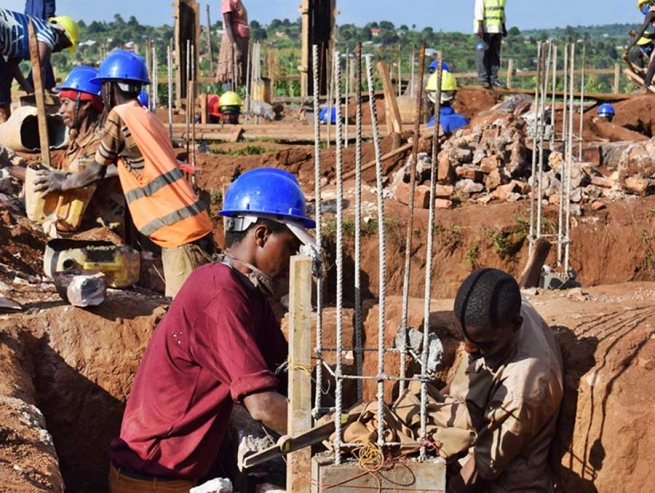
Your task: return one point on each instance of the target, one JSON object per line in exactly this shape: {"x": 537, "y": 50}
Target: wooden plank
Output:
{"x": 37, "y": 78}
{"x": 300, "y": 381}
{"x": 510, "y": 72}
{"x": 390, "y": 98}
{"x": 209, "y": 42}
{"x": 236, "y": 133}
{"x": 637, "y": 79}
{"x": 617, "y": 78}
{"x": 388, "y": 155}
{"x": 203, "y": 108}
{"x": 532, "y": 271}
{"x": 605, "y": 97}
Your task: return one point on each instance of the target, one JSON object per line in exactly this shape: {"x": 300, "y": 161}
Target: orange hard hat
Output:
{"x": 213, "y": 103}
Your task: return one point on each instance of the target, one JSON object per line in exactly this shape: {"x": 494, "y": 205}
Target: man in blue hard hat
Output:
{"x": 490, "y": 29}
{"x": 606, "y": 112}
{"x": 219, "y": 344}
{"x": 163, "y": 206}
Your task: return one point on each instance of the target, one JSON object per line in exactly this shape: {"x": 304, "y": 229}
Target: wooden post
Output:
{"x": 510, "y": 72}
{"x": 271, "y": 70}
{"x": 37, "y": 77}
{"x": 209, "y": 43}
{"x": 306, "y": 46}
{"x": 203, "y": 108}
{"x": 390, "y": 99}
{"x": 300, "y": 381}
{"x": 617, "y": 78}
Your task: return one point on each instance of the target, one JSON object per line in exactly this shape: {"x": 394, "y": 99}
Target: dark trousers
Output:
{"x": 488, "y": 60}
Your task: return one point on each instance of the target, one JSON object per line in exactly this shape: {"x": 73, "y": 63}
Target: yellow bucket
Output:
{"x": 67, "y": 207}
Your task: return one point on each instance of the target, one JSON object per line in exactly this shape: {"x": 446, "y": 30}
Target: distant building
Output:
{"x": 375, "y": 31}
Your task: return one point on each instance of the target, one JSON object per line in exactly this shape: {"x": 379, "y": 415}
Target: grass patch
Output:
{"x": 217, "y": 198}
{"x": 450, "y": 239}
{"x": 249, "y": 150}
{"x": 368, "y": 228}
{"x": 473, "y": 255}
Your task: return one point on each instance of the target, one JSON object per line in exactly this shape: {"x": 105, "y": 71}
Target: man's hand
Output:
{"x": 625, "y": 55}
{"x": 238, "y": 55}
{"x": 480, "y": 32}
{"x": 504, "y": 31}
{"x": 49, "y": 181}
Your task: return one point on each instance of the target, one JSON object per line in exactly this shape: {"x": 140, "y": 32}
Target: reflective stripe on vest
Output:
{"x": 154, "y": 186}
{"x": 494, "y": 12}
{"x": 162, "y": 203}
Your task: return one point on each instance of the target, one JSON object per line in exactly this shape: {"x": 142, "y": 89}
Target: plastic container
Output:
{"x": 68, "y": 207}
{"x": 120, "y": 264}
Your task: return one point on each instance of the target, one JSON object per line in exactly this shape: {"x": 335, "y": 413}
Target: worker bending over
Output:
{"x": 61, "y": 32}
{"x": 449, "y": 120}
{"x": 511, "y": 384}
{"x": 647, "y": 7}
{"x": 162, "y": 205}
{"x": 218, "y": 344}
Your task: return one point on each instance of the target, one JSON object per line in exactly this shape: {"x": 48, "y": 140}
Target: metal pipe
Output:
{"x": 412, "y": 188}
{"x": 188, "y": 77}
{"x": 347, "y": 95}
{"x": 534, "y": 153}
{"x": 319, "y": 235}
{"x": 339, "y": 264}
{"x": 381, "y": 242}
{"x": 359, "y": 360}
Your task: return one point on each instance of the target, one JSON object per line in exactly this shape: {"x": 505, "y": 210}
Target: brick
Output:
{"x": 444, "y": 191}
{"x": 637, "y": 185}
{"x": 421, "y": 195}
{"x": 489, "y": 164}
{"x": 504, "y": 192}
{"x": 493, "y": 180}
{"x": 445, "y": 172}
{"x": 601, "y": 181}
{"x": 443, "y": 204}
{"x": 598, "y": 205}
{"x": 469, "y": 172}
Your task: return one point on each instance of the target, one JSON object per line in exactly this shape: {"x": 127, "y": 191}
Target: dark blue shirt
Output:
{"x": 14, "y": 39}
{"x": 41, "y": 9}
{"x": 449, "y": 120}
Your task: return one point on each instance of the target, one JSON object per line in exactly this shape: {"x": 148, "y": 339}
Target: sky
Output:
{"x": 446, "y": 15}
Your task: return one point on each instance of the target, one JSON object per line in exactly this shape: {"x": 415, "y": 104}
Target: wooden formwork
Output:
{"x": 187, "y": 29}
{"x": 318, "y": 22}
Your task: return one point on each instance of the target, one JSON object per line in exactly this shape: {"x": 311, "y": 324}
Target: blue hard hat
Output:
{"x": 143, "y": 98}
{"x": 267, "y": 192}
{"x": 121, "y": 65}
{"x": 606, "y": 109}
{"x": 323, "y": 115}
{"x": 435, "y": 65}
{"x": 82, "y": 79}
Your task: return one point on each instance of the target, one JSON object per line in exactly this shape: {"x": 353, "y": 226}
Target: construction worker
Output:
{"x": 511, "y": 384}
{"x": 646, "y": 7}
{"x": 606, "y": 112}
{"x": 490, "y": 30}
{"x": 645, "y": 47}
{"x": 44, "y": 10}
{"x": 162, "y": 205}
{"x": 60, "y": 33}
{"x": 233, "y": 53}
{"x": 230, "y": 107}
{"x": 435, "y": 65}
{"x": 213, "y": 108}
{"x": 216, "y": 345}
{"x": 448, "y": 118}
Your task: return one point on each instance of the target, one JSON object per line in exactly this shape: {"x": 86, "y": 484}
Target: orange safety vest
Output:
{"x": 162, "y": 203}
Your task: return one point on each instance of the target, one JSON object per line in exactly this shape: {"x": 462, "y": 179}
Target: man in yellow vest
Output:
{"x": 490, "y": 30}
{"x": 162, "y": 205}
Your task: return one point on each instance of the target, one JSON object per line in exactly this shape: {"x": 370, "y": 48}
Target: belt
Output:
{"x": 143, "y": 477}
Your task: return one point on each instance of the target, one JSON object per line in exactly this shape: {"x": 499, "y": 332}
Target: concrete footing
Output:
{"x": 400, "y": 476}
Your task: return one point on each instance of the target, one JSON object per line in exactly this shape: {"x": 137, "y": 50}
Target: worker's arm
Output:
{"x": 479, "y": 17}
{"x": 269, "y": 408}
{"x": 54, "y": 181}
{"x": 227, "y": 25}
{"x": 647, "y": 21}
{"x": 468, "y": 480}
{"x": 44, "y": 54}
{"x": 14, "y": 66}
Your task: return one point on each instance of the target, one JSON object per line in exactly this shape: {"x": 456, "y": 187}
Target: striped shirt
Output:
{"x": 14, "y": 34}
{"x": 117, "y": 142}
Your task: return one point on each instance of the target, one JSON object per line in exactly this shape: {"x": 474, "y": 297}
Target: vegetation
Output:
{"x": 602, "y": 47}
{"x": 248, "y": 150}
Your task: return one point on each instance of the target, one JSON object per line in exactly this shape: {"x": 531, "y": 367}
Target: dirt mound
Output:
{"x": 637, "y": 114}
{"x": 22, "y": 247}
{"x": 472, "y": 101}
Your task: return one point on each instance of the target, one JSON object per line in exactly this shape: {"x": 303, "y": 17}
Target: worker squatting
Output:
{"x": 220, "y": 343}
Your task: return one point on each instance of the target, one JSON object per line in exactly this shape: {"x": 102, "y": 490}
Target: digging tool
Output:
{"x": 39, "y": 96}
{"x": 286, "y": 444}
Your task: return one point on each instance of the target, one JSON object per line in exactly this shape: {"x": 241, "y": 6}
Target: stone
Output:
{"x": 421, "y": 195}
{"x": 478, "y": 157}
{"x": 637, "y": 185}
{"x": 637, "y": 161}
{"x": 462, "y": 155}
{"x": 469, "y": 186}
{"x": 443, "y": 204}
{"x": 522, "y": 187}
{"x": 554, "y": 199}
{"x": 445, "y": 171}
{"x": 646, "y": 364}
{"x": 576, "y": 195}
{"x": 489, "y": 164}
{"x": 601, "y": 181}
{"x": 493, "y": 180}
{"x": 503, "y": 192}
{"x": 469, "y": 172}
{"x": 598, "y": 205}
{"x": 444, "y": 191}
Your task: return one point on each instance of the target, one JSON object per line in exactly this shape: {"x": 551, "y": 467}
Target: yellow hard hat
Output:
{"x": 644, "y": 41}
{"x": 70, "y": 27}
{"x": 230, "y": 98}
{"x": 448, "y": 82}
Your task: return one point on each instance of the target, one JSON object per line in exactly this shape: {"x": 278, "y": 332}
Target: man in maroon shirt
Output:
{"x": 218, "y": 344}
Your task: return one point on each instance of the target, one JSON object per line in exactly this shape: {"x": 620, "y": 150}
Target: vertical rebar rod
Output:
{"x": 553, "y": 112}
{"x": 339, "y": 264}
{"x": 193, "y": 113}
{"x": 560, "y": 220}
{"x": 169, "y": 61}
{"x": 582, "y": 82}
{"x": 428, "y": 255}
{"x": 410, "y": 221}
{"x": 187, "y": 109}
{"x": 545, "y": 62}
{"x": 329, "y": 105}
{"x": 249, "y": 78}
{"x": 567, "y": 244}
{"x": 382, "y": 245}
{"x": 535, "y": 189}
{"x": 359, "y": 362}
{"x": 347, "y": 91}
{"x": 411, "y": 78}
{"x": 319, "y": 235}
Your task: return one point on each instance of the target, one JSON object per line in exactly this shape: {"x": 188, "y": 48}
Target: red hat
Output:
{"x": 96, "y": 102}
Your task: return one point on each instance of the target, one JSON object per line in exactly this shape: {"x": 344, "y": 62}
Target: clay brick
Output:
{"x": 598, "y": 205}
{"x": 421, "y": 195}
{"x": 445, "y": 173}
{"x": 489, "y": 164}
{"x": 444, "y": 191}
{"x": 443, "y": 204}
{"x": 469, "y": 172}
{"x": 503, "y": 192}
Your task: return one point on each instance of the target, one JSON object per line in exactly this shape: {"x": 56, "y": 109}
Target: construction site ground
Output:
{"x": 67, "y": 371}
